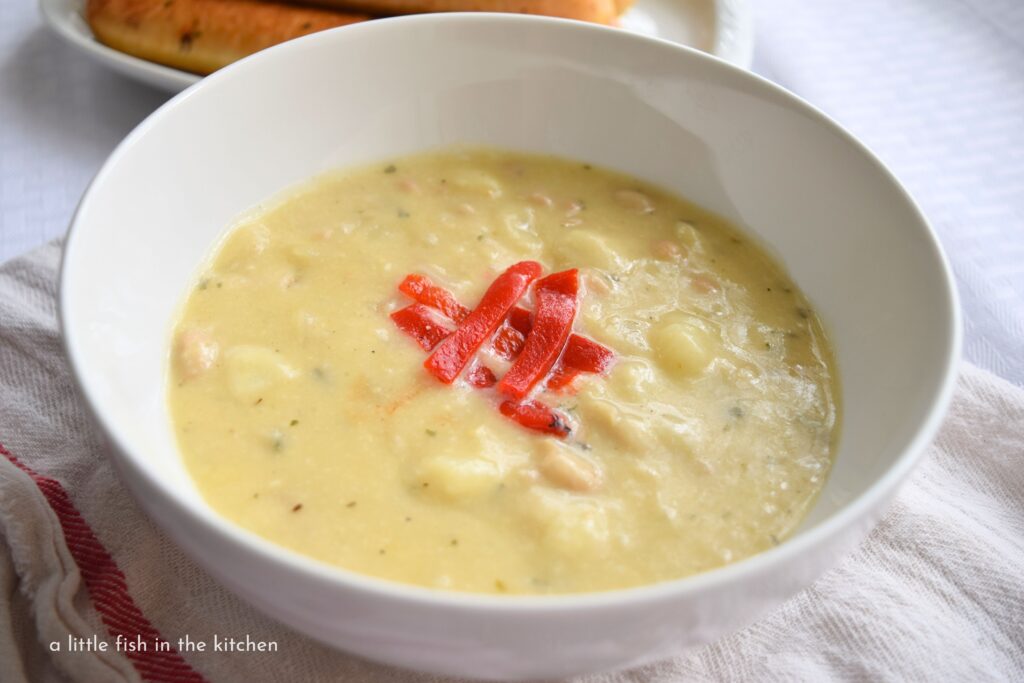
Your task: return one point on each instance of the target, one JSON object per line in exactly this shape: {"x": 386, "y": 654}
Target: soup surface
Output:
{"x": 695, "y": 427}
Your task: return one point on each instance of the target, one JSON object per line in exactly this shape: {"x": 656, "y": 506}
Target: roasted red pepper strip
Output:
{"x": 418, "y": 322}
{"x": 520, "y": 320}
{"x": 452, "y": 354}
{"x": 419, "y": 288}
{"x": 580, "y": 355}
{"x": 535, "y": 415}
{"x": 556, "y": 297}
{"x": 586, "y": 355}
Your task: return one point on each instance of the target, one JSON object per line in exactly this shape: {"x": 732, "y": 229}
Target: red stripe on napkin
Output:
{"x": 159, "y": 662}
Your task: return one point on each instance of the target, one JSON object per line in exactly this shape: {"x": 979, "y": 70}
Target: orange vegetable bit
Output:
{"x": 418, "y": 322}
{"x": 419, "y": 288}
{"x": 481, "y": 377}
{"x": 561, "y": 379}
{"x": 557, "y": 301}
{"x": 451, "y": 355}
{"x": 537, "y": 416}
{"x": 511, "y": 336}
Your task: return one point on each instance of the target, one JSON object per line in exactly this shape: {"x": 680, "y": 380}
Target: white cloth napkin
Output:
{"x": 935, "y": 593}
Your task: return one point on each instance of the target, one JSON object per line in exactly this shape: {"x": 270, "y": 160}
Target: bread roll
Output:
{"x": 201, "y": 36}
{"x": 598, "y": 11}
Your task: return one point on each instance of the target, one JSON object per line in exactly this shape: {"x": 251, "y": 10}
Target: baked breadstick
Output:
{"x": 599, "y": 11}
{"x": 203, "y": 35}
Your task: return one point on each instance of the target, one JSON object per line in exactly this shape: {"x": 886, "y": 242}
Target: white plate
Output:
{"x": 723, "y": 28}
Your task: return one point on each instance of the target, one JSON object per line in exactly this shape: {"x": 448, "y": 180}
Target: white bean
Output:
{"x": 196, "y": 352}
{"x": 567, "y": 469}
{"x": 541, "y": 200}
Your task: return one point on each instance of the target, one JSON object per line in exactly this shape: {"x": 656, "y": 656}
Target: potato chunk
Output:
{"x": 243, "y": 247}
{"x": 688, "y": 235}
{"x": 681, "y": 349}
{"x": 478, "y": 182}
{"x": 459, "y": 478}
{"x": 583, "y": 248}
{"x": 253, "y": 370}
{"x": 632, "y": 379}
{"x": 604, "y": 416}
{"x": 569, "y": 524}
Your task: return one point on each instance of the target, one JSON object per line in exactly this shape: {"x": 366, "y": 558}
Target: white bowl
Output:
{"x": 847, "y": 231}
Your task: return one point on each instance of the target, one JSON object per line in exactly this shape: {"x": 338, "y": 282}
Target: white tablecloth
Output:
{"x": 935, "y": 87}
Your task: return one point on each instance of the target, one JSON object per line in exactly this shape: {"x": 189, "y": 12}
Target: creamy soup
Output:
{"x": 486, "y": 371}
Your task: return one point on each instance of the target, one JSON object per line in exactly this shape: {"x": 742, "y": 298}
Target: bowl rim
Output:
{"x": 853, "y": 511}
